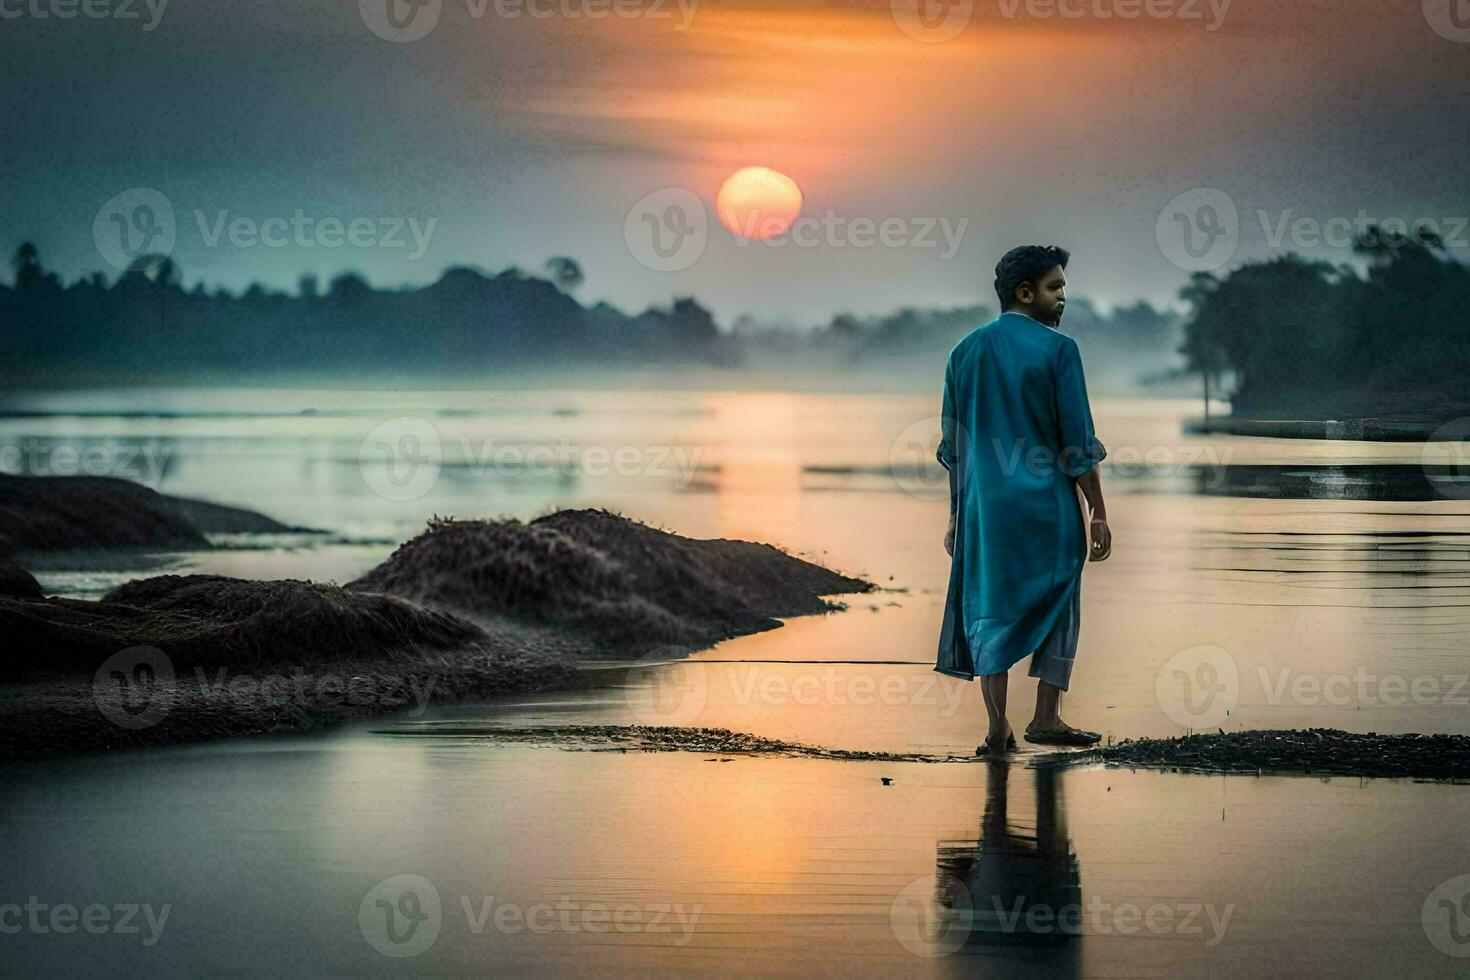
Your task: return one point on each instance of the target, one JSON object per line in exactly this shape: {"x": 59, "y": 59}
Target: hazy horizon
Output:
{"x": 507, "y": 138}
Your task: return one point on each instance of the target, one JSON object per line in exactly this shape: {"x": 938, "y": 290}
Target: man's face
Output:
{"x": 1046, "y": 298}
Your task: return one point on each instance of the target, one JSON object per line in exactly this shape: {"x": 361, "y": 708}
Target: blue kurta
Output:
{"x": 1017, "y": 432}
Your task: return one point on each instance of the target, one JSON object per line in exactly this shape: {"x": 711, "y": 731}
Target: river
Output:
{"x": 385, "y": 847}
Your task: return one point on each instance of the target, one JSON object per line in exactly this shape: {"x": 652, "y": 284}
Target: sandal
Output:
{"x": 1066, "y": 735}
{"x": 983, "y": 749}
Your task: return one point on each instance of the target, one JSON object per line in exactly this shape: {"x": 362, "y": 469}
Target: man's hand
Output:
{"x": 949, "y": 538}
{"x": 1102, "y": 540}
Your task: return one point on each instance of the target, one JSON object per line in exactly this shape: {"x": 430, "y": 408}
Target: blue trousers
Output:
{"x": 1053, "y": 660}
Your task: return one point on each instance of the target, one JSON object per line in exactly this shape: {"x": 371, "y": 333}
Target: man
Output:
{"x": 1019, "y": 443}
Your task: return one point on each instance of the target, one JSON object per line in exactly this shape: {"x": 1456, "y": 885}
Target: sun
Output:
{"x": 758, "y": 202}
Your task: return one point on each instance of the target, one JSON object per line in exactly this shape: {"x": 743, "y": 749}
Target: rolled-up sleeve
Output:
{"x": 948, "y": 425}
{"x": 1081, "y": 449}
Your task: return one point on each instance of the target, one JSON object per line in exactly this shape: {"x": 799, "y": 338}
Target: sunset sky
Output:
{"x": 523, "y": 137}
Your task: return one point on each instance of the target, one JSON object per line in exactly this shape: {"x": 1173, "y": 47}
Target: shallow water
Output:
{"x": 1214, "y": 611}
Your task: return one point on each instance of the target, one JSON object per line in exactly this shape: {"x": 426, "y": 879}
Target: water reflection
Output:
{"x": 1018, "y": 884}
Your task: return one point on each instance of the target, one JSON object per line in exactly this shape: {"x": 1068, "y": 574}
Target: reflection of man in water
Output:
{"x": 1015, "y": 888}
{"x": 1019, "y": 445}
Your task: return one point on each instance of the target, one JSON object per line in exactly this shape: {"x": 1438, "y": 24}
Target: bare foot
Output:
{"x": 992, "y": 745}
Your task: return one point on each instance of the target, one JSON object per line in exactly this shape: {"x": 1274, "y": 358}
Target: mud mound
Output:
{"x": 624, "y": 584}
{"x": 209, "y": 620}
{"x": 16, "y": 581}
{"x": 1314, "y": 751}
{"x": 48, "y": 513}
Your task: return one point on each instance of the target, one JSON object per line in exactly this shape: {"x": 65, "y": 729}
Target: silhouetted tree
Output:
{"x": 27, "y": 266}
{"x": 565, "y": 272}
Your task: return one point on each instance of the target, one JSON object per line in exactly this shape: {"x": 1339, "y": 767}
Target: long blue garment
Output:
{"x": 1016, "y": 433}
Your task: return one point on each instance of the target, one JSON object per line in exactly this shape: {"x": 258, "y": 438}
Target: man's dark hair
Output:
{"x": 1025, "y": 263}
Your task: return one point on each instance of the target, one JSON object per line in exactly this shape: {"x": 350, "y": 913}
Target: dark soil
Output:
{"x": 1314, "y": 751}
{"x": 49, "y": 513}
{"x": 645, "y": 738}
{"x": 477, "y": 609}
{"x": 627, "y": 586}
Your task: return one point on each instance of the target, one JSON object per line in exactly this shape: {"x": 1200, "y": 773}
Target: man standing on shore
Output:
{"x": 1018, "y": 442}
